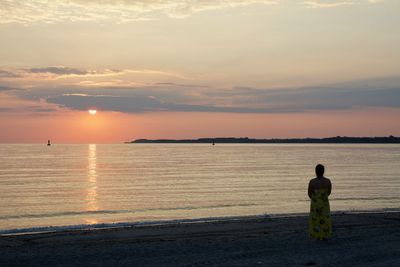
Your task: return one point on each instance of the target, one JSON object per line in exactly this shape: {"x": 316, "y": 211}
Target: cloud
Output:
{"x": 40, "y": 109}
{"x": 7, "y": 88}
{"x": 66, "y": 71}
{"x": 33, "y": 109}
{"x": 327, "y": 4}
{"x": 37, "y": 75}
{"x": 336, "y": 3}
{"x": 58, "y": 71}
{"x": 123, "y": 11}
{"x": 120, "y": 11}
{"x": 11, "y": 102}
{"x": 365, "y": 94}
{"x": 139, "y": 104}
{"x": 8, "y": 74}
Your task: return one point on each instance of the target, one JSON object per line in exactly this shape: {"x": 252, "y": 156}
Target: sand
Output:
{"x": 360, "y": 239}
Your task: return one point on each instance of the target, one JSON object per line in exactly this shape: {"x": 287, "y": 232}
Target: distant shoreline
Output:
{"x": 246, "y": 140}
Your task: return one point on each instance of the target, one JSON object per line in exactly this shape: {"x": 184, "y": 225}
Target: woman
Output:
{"x": 319, "y": 188}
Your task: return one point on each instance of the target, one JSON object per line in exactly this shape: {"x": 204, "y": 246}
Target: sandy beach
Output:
{"x": 360, "y": 239}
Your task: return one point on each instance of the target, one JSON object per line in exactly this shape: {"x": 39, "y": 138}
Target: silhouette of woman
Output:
{"x": 319, "y": 188}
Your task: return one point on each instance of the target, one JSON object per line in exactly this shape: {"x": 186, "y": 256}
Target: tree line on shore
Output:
{"x": 245, "y": 140}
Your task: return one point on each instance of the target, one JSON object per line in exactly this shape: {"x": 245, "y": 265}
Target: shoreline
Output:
{"x": 246, "y": 140}
{"x": 359, "y": 239}
{"x": 172, "y": 222}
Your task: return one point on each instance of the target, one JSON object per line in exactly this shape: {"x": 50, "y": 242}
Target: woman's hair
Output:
{"x": 319, "y": 170}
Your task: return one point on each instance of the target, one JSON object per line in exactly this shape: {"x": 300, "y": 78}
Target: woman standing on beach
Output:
{"x": 319, "y": 188}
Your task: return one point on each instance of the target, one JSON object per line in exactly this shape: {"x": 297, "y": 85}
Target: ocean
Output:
{"x": 66, "y": 186}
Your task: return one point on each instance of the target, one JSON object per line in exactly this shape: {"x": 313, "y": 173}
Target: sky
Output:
{"x": 191, "y": 69}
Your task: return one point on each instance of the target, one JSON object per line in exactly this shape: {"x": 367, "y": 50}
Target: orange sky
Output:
{"x": 113, "y": 127}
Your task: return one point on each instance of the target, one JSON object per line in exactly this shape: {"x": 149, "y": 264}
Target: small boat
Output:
{"x": 48, "y": 143}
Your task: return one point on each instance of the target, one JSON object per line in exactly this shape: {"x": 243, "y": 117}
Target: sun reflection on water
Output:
{"x": 91, "y": 193}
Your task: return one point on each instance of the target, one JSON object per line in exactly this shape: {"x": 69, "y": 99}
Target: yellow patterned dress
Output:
{"x": 320, "y": 224}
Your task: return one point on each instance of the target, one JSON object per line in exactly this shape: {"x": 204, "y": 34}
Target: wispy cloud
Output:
{"x": 120, "y": 11}
{"x": 81, "y": 76}
{"x": 8, "y": 74}
{"x": 58, "y": 71}
{"x": 5, "y": 88}
{"x": 327, "y": 4}
{"x": 337, "y": 3}
{"x": 123, "y": 11}
{"x": 55, "y": 71}
{"x": 28, "y": 109}
{"x": 12, "y": 100}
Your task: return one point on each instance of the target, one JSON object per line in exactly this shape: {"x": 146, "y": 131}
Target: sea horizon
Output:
{"x": 278, "y": 140}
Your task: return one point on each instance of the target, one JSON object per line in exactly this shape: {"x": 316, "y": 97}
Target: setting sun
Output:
{"x": 92, "y": 111}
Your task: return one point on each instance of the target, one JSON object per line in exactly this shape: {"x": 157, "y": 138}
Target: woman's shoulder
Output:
{"x": 327, "y": 179}
{"x": 319, "y": 180}
{"x": 325, "y": 182}
{"x": 313, "y": 181}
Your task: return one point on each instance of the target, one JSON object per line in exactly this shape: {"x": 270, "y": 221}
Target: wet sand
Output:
{"x": 360, "y": 239}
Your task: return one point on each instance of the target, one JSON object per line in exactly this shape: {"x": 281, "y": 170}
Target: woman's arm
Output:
{"x": 329, "y": 187}
{"x": 310, "y": 189}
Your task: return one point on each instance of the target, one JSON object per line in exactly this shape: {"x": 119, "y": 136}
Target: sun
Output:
{"x": 92, "y": 111}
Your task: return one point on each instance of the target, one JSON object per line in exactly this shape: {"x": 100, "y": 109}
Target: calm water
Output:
{"x": 91, "y": 184}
